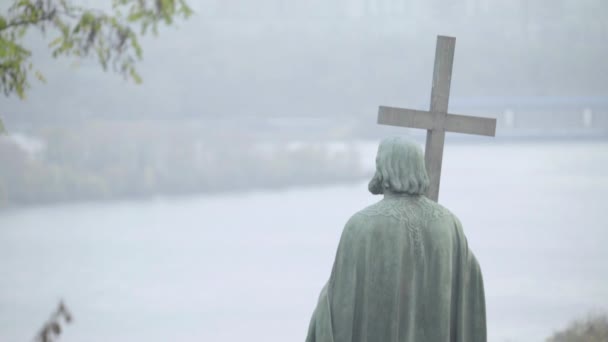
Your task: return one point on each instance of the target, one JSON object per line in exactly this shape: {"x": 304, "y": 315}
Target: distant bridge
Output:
{"x": 548, "y": 114}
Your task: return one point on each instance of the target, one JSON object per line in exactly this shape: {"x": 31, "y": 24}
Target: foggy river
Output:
{"x": 249, "y": 266}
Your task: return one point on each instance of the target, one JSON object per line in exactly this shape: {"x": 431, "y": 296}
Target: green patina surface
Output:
{"x": 403, "y": 271}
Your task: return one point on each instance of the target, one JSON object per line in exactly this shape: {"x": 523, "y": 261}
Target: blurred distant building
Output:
{"x": 518, "y": 116}
{"x": 30, "y": 146}
{"x": 542, "y": 115}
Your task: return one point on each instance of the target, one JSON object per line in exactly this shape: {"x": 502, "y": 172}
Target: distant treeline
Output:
{"x": 112, "y": 160}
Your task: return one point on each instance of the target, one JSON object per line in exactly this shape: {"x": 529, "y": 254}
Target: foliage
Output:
{"x": 110, "y": 37}
{"x": 52, "y": 327}
{"x": 592, "y": 329}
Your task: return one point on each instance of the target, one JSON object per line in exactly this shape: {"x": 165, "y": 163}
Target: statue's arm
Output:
{"x": 473, "y": 300}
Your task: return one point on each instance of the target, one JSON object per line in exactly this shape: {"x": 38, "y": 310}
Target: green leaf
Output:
{"x": 87, "y": 18}
{"x": 144, "y": 28}
{"x": 20, "y": 92}
{"x": 56, "y": 41}
{"x": 135, "y": 16}
{"x": 136, "y": 46}
{"x": 40, "y": 76}
{"x": 135, "y": 75}
{"x": 2, "y": 129}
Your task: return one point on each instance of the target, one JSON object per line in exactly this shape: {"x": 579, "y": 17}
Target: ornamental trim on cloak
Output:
{"x": 411, "y": 212}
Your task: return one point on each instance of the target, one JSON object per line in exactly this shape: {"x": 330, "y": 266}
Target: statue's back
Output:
{"x": 400, "y": 274}
{"x": 403, "y": 271}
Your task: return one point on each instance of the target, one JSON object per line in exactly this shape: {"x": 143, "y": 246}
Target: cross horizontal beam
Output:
{"x": 470, "y": 125}
{"x": 422, "y": 119}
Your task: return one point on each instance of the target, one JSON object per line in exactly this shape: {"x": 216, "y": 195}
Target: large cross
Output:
{"x": 437, "y": 121}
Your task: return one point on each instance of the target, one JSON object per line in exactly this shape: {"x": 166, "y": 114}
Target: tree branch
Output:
{"x": 16, "y": 23}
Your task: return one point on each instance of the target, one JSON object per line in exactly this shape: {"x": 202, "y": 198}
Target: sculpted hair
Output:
{"x": 399, "y": 168}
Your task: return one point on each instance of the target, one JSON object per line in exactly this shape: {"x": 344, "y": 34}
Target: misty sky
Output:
{"x": 277, "y": 58}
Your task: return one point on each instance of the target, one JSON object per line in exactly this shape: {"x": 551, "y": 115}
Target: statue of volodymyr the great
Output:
{"x": 403, "y": 271}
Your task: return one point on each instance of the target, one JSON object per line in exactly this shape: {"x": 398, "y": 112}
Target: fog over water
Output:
{"x": 213, "y": 195}
{"x": 191, "y": 269}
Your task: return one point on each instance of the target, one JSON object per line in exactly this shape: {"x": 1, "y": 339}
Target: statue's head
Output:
{"x": 399, "y": 168}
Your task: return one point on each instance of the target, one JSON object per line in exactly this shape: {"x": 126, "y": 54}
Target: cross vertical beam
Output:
{"x": 440, "y": 96}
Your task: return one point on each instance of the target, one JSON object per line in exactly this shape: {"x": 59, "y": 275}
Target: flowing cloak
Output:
{"x": 403, "y": 273}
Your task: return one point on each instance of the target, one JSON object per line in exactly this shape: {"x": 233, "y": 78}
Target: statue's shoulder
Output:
{"x": 442, "y": 211}
{"x": 365, "y": 215}
{"x": 404, "y": 209}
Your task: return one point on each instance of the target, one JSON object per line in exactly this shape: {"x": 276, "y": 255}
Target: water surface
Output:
{"x": 249, "y": 266}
